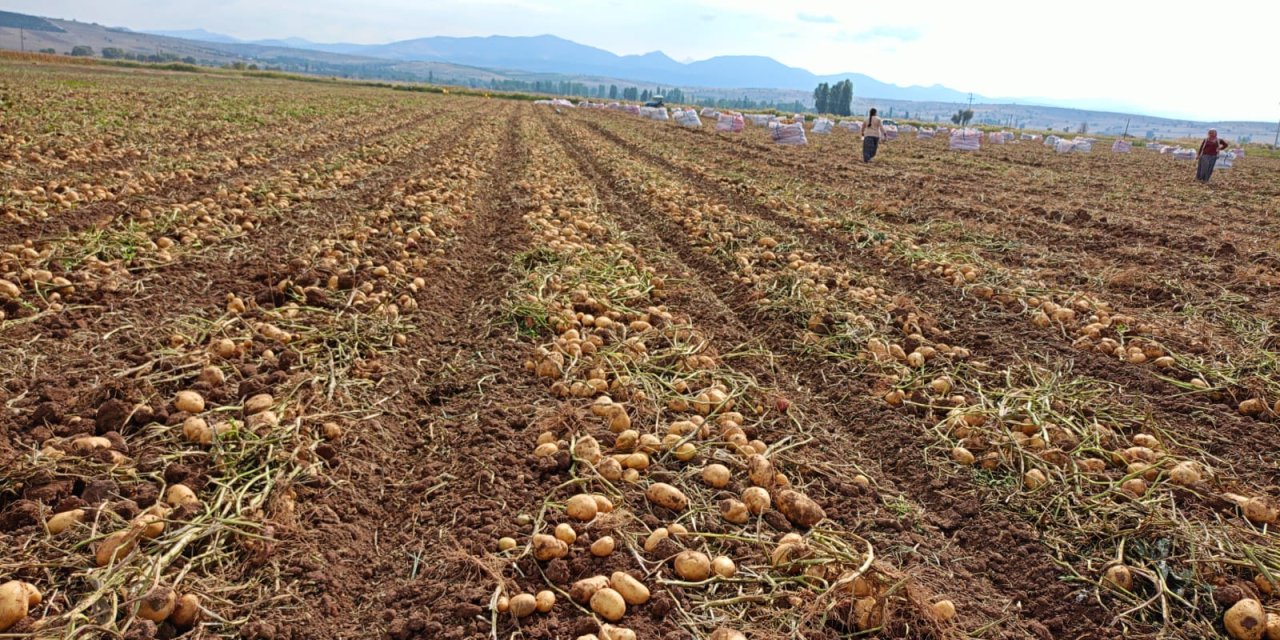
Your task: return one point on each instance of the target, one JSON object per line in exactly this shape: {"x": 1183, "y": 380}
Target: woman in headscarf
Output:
{"x": 1207, "y": 155}
{"x": 870, "y": 136}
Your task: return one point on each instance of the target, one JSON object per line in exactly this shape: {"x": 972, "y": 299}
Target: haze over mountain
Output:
{"x": 552, "y": 54}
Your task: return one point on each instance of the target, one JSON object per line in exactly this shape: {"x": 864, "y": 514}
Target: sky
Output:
{"x": 1196, "y": 60}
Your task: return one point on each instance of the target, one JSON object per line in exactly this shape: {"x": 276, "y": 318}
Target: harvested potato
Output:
{"x": 16, "y": 600}
{"x": 582, "y": 590}
{"x": 258, "y": 404}
{"x": 565, "y": 533}
{"x": 760, "y": 470}
{"x": 610, "y": 469}
{"x": 685, "y": 451}
{"x": 603, "y": 504}
{"x": 545, "y": 600}
{"x": 735, "y": 511}
{"x": 506, "y": 544}
{"x": 944, "y": 610}
{"x": 610, "y": 632}
{"x": 724, "y": 567}
{"x": 581, "y": 507}
{"x": 189, "y": 401}
{"x": 547, "y": 547}
{"x": 586, "y": 448}
{"x": 756, "y": 499}
{"x": 608, "y": 604}
{"x": 186, "y": 613}
{"x": 602, "y": 547}
{"x": 60, "y": 522}
{"x": 666, "y": 496}
{"x": 632, "y": 591}
{"x": 196, "y": 430}
{"x": 1185, "y": 473}
{"x": 158, "y": 603}
{"x": 522, "y": 605}
{"x": 693, "y": 565}
{"x": 627, "y": 440}
{"x": 725, "y": 633}
{"x": 179, "y": 495}
{"x": 799, "y": 508}
{"x": 1258, "y": 511}
{"x": 716, "y": 475}
{"x": 117, "y": 545}
{"x": 1120, "y": 576}
{"x": 1246, "y": 620}
{"x": 655, "y": 538}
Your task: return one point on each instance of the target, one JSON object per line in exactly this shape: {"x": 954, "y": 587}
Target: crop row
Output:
{"x": 191, "y": 478}
{"x": 1060, "y": 440}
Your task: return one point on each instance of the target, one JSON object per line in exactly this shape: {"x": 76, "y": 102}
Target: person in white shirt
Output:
{"x": 870, "y": 136}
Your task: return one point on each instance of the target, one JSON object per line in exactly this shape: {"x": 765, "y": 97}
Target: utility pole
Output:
{"x": 1126, "y": 127}
{"x": 22, "y": 39}
{"x": 1276, "y": 144}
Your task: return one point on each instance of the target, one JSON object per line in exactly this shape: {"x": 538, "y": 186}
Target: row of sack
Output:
{"x": 791, "y": 131}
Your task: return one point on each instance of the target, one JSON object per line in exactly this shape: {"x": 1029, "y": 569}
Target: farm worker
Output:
{"x": 870, "y": 136}
{"x": 1207, "y": 155}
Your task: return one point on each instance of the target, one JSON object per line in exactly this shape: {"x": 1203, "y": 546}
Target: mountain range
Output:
{"x": 551, "y": 54}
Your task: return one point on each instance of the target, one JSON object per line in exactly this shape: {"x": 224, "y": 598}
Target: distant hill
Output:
{"x": 194, "y": 34}
{"x": 552, "y": 54}
{"x": 12, "y": 20}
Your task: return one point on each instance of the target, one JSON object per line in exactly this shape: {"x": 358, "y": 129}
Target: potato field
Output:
{"x": 307, "y": 360}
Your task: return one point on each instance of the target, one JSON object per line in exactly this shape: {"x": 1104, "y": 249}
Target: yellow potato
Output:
{"x": 632, "y": 591}
{"x": 522, "y": 605}
{"x": 157, "y": 604}
{"x": 60, "y": 522}
{"x": 608, "y": 604}
{"x": 582, "y": 590}
{"x": 666, "y": 496}
{"x": 545, "y": 600}
{"x": 602, "y": 547}
{"x": 1246, "y": 620}
{"x": 716, "y": 475}
{"x": 186, "y": 613}
{"x": 581, "y": 507}
{"x": 693, "y": 565}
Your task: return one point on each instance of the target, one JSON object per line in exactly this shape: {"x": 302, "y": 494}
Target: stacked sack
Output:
{"x": 730, "y": 122}
{"x": 965, "y": 140}
{"x": 790, "y": 134}
{"x": 687, "y": 118}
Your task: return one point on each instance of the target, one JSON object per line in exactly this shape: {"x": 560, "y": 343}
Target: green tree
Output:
{"x": 962, "y": 117}
{"x": 821, "y": 96}
{"x": 112, "y": 53}
{"x": 613, "y": 92}
{"x": 81, "y": 50}
{"x": 49, "y": 50}
{"x": 840, "y": 98}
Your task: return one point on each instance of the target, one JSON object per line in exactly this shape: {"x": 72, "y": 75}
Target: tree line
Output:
{"x": 835, "y": 99}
